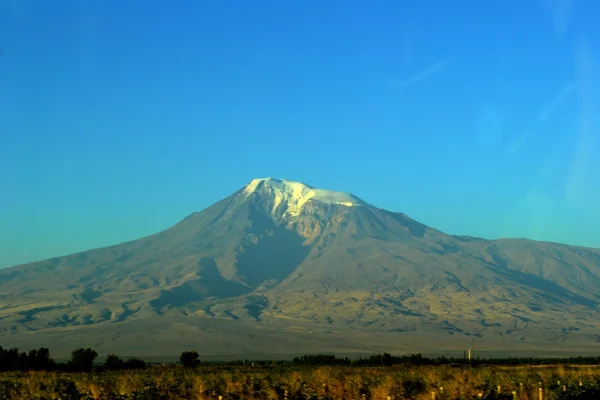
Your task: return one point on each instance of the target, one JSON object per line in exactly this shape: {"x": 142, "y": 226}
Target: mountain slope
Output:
{"x": 284, "y": 253}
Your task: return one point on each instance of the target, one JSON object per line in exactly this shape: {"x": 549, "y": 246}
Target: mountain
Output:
{"x": 283, "y": 267}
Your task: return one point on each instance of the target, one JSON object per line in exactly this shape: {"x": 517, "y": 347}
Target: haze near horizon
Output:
{"x": 118, "y": 119}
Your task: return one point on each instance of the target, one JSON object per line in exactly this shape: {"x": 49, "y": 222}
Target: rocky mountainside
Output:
{"x": 283, "y": 254}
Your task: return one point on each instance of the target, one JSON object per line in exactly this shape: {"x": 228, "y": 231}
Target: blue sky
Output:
{"x": 119, "y": 118}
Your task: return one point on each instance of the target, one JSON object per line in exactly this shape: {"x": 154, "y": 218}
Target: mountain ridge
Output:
{"x": 242, "y": 189}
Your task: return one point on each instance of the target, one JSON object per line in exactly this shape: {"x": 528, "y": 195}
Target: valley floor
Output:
{"x": 163, "y": 339}
{"x": 399, "y": 382}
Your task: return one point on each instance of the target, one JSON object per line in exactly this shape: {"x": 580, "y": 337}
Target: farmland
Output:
{"x": 449, "y": 381}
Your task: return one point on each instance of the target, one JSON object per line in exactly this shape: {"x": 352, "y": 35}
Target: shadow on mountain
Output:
{"x": 275, "y": 255}
{"x": 550, "y": 290}
{"x": 396, "y": 307}
{"x": 30, "y": 315}
{"x": 255, "y": 305}
{"x": 415, "y": 228}
{"x": 126, "y": 313}
{"x": 210, "y": 284}
{"x": 88, "y": 296}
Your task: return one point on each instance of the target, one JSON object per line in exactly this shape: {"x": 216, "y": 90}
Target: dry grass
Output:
{"x": 400, "y": 382}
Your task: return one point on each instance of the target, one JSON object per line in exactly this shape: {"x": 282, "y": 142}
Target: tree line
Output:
{"x": 84, "y": 360}
{"x": 386, "y": 359}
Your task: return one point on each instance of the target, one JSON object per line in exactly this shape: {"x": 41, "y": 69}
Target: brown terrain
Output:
{"x": 259, "y": 273}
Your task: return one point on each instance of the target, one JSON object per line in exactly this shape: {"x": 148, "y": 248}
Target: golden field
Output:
{"x": 335, "y": 382}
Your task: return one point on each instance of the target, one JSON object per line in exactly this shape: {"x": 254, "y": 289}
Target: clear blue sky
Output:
{"x": 119, "y": 118}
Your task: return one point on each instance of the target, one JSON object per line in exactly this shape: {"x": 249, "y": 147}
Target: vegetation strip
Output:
{"x": 34, "y": 375}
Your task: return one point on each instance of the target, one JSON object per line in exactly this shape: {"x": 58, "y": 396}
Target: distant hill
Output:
{"x": 283, "y": 267}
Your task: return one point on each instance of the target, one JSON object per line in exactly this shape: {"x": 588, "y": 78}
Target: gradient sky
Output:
{"x": 119, "y": 118}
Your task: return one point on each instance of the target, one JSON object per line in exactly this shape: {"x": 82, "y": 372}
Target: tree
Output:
{"x": 113, "y": 361}
{"x": 189, "y": 359}
{"x": 22, "y": 364}
{"x": 135, "y": 363}
{"x": 83, "y": 359}
{"x": 387, "y": 359}
{"x": 39, "y": 359}
{"x": 9, "y": 360}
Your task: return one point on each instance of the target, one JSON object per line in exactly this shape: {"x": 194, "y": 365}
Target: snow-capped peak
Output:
{"x": 296, "y": 194}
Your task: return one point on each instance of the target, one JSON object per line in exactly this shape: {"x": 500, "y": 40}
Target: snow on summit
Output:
{"x": 296, "y": 194}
